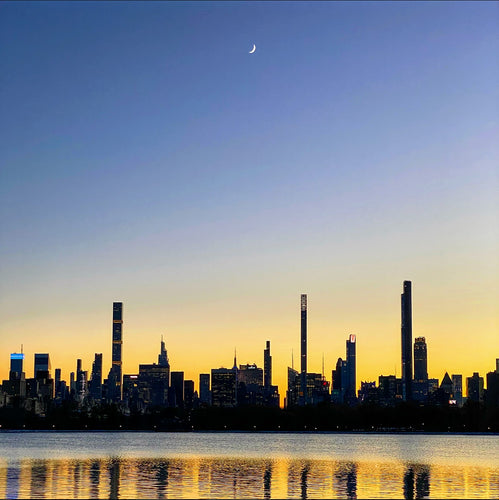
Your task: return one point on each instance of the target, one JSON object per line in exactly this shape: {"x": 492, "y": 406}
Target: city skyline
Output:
{"x": 413, "y": 358}
{"x": 146, "y": 157}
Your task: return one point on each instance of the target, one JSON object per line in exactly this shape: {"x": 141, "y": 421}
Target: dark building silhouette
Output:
{"x": 177, "y": 389}
{"x": 389, "y": 390}
{"x": 351, "y": 382}
{"x": 303, "y": 357}
{"x": 153, "y": 383}
{"x": 457, "y": 388}
{"x": 474, "y": 387}
{"x": 204, "y": 389}
{"x": 188, "y": 394}
{"x": 16, "y": 365}
{"x": 267, "y": 366}
{"x": 420, "y": 383}
{"x": 368, "y": 393}
{"x": 223, "y": 387}
{"x": 95, "y": 386}
{"x": 337, "y": 391}
{"x": 406, "y": 330}
{"x": 42, "y": 366}
{"x": 114, "y": 379}
{"x": 163, "y": 355}
{"x": 492, "y": 395}
{"x": 294, "y": 384}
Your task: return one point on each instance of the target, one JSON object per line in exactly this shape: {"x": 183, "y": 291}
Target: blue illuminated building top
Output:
{"x": 15, "y": 355}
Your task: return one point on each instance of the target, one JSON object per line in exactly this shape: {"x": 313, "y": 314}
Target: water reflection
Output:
{"x": 197, "y": 477}
{"x": 417, "y": 480}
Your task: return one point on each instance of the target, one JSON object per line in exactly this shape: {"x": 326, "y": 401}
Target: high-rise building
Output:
{"x": 267, "y": 366}
{"x": 114, "y": 380}
{"x": 177, "y": 388}
{"x": 492, "y": 395}
{"x": 163, "y": 355}
{"x": 420, "y": 383}
{"x": 497, "y": 365}
{"x": 294, "y": 388}
{"x": 250, "y": 374}
{"x": 223, "y": 387}
{"x": 153, "y": 383}
{"x": 204, "y": 389}
{"x": 188, "y": 394}
{"x": 336, "y": 386}
{"x": 474, "y": 387}
{"x": 406, "y": 330}
{"x": 96, "y": 378}
{"x": 351, "y": 385}
{"x": 303, "y": 372}
{"x": 16, "y": 366}
{"x": 457, "y": 387}
{"x": 42, "y": 366}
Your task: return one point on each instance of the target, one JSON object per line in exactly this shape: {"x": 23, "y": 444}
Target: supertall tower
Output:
{"x": 406, "y": 330}
{"x": 303, "y": 373}
{"x": 116, "y": 367}
{"x": 267, "y": 366}
{"x": 350, "y": 389}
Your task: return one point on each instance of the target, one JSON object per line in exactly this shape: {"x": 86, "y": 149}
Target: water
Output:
{"x": 247, "y": 465}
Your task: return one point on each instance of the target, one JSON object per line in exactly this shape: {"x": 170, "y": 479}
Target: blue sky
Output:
{"x": 145, "y": 155}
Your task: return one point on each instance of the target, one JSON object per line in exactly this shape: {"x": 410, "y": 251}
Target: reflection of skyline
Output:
{"x": 239, "y": 478}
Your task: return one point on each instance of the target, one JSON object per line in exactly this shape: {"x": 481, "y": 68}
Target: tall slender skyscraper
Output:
{"x": 350, "y": 389}
{"x": 303, "y": 373}
{"x": 406, "y": 330}
{"x": 115, "y": 375}
{"x": 267, "y": 366}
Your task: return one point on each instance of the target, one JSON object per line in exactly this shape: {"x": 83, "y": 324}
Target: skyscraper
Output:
{"x": 115, "y": 375}
{"x": 177, "y": 387}
{"x": 267, "y": 366}
{"x": 420, "y": 385}
{"x": 96, "y": 380}
{"x": 42, "y": 366}
{"x": 406, "y": 330}
{"x": 350, "y": 388}
{"x": 457, "y": 386}
{"x": 303, "y": 373}
{"x": 163, "y": 355}
{"x": 16, "y": 365}
{"x": 204, "y": 389}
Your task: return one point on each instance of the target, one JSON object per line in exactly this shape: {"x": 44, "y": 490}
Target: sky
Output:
{"x": 147, "y": 157}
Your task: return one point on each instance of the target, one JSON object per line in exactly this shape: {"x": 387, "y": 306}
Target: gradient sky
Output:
{"x": 146, "y": 157}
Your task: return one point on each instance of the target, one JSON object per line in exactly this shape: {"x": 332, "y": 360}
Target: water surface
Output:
{"x": 247, "y": 465}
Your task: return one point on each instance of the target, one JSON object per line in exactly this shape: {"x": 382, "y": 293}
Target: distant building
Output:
{"x": 16, "y": 366}
{"x": 389, "y": 390}
{"x": 293, "y": 392}
{"x": 457, "y": 387}
{"x": 223, "y": 387}
{"x": 406, "y": 330}
{"x": 474, "y": 387}
{"x": 177, "y": 389}
{"x": 492, "y": 395}
{"x": 188, "y": 394}
{"x": 337, "y": 391}
{"x": 42, "y": 366}
{"x": 302, "y": 399}
{"x": 114, "y": 379}
{"x": 204, "y": 389}
{"x": 368, "y": 393}
{"x": 153, "y": 385}
{"x": 267, "y": 366}
{"x": 351, "y": 379}
{"x": 95, "y": 384}
{"x": 420, "y": 383}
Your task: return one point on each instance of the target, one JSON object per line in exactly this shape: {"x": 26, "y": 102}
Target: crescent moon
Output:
{"x": 253, "y": 49}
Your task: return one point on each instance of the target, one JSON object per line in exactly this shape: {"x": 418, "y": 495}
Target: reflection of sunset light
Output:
{"x": 242, "y": 478}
